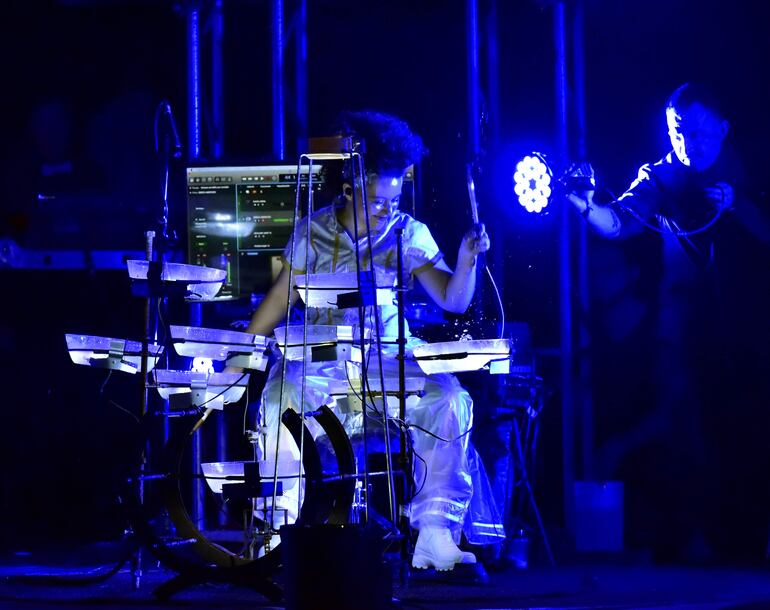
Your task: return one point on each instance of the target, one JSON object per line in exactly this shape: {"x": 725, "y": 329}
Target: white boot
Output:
{"x": 436, "y": 549}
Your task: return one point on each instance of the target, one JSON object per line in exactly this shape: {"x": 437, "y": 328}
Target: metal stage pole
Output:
{"x": 217, "y": 151}
{"x": 493, "y": 73}
{"x": 217, "y": 80}
{"x": 193, "y": 154}
{"x": 472, "y": 41}
{"x": 565, "y": 279}
{"x": 300, "y": 76}
{"x": 584, "y": 355}
{"x": 493, "y": 104}
{"x": 276, "y": 37}
{"x": 193, "y": 83}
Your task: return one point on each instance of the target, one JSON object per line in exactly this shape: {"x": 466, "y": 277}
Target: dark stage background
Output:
{"x": 82, "y": 79}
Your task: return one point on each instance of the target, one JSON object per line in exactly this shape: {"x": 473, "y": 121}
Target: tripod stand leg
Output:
{"x": 516, "y": 434}
{"x": 540, "y": 525}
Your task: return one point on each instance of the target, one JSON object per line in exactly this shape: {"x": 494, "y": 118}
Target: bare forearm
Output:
{"x": 603, "y": 219}
{"x": 454, "y": 291}
{"x": 460, "y": 287}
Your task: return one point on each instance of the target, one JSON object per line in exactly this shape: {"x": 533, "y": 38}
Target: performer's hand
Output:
{"x": 474, "y": 242}
{"x": 721, "y": 195}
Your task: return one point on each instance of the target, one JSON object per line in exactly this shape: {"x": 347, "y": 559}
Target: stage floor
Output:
{"x": 605, "y": 585}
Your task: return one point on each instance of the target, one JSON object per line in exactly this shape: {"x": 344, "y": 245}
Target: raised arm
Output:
{"x": 454, "y": 291}
{"x": 641, "y": 201}
{"x": 603, "y": 219}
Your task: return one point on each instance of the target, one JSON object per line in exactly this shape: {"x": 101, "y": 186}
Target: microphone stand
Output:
{"x": 155, "y": 257}
{"x": 355, "y": 150}
{"x": 166, "y": 152}
{"x": 404, "y": 455}
{"x": 393, "y": 511}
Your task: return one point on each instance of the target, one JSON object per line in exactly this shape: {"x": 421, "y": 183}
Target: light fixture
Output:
{"x": 532, "y": 182}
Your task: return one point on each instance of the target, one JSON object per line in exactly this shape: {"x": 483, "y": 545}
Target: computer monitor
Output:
{"x": 240, "y": 219}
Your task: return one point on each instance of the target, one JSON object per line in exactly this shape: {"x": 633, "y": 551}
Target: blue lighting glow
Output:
{"x": 532, "y": 183}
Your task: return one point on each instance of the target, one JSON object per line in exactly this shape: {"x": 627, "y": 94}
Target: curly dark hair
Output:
{"x": 390, "y": 145}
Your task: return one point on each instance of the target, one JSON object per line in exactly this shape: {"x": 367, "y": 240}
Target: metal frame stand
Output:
{"x": 520, "y": 474}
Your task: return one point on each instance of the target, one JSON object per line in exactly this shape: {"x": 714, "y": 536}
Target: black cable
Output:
{"x": 361, "y": 397}
{"x": 364, "y": 404}
{"x": 406, "y": 425}
{"x": 246, "y": 411}
{"x": 679, "y": 233}
{"x": 436, "y": 436}
{"x": 104, "y": 385}
{"x": 371, "y": 323}
{"x": 232, "y": 385}
{"x": 425, "y": 465}
{"x": 164, "y": 328}
{"x": 121, "y": 408}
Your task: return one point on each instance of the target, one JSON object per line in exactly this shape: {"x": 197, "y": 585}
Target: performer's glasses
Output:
{"x": 379, "y": 204}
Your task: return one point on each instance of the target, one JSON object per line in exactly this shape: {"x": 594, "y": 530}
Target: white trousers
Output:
{"x": 445, "y": 464}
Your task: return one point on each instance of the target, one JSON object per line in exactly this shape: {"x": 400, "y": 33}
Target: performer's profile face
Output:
{"x": 696, "y": 134}
{"x": 382, "y": 196}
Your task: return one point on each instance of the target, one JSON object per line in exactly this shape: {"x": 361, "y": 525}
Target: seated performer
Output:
{"x": 442, "y": 417}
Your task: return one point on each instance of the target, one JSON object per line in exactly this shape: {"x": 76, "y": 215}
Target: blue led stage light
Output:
{"x": 532, "y": 182}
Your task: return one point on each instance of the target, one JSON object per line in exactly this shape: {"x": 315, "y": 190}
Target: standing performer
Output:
{"x": 696, "y": 199}
{"x": 445, "y": 462}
